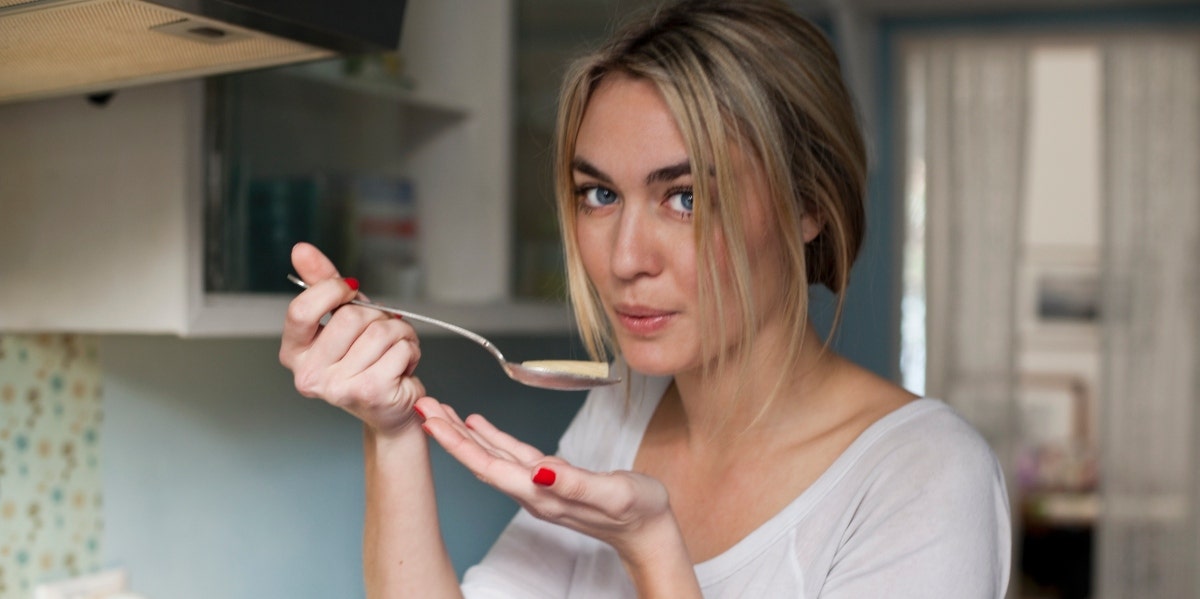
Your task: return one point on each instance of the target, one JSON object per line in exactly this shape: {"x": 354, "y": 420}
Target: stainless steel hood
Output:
{"x": 60, "y": 47}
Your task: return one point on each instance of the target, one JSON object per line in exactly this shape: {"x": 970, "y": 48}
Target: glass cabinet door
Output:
{"x": 316, "y": 153}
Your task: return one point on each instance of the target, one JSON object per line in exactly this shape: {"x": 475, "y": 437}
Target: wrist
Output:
{"x": 403, "y": 439}
{"x": 408, "y": 426}
{"x": 658, "y": 561}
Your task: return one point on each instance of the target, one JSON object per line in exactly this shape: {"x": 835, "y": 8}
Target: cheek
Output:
{"x": 591, "y": 250}
{"x": 764, "y": 259}
{"x": 720, "y": 257}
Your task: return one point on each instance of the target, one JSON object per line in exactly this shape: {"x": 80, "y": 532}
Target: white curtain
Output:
{"x": 1148, "y": 532}
{"x": 972, "y": 134}
{"x": 975, "y": 97}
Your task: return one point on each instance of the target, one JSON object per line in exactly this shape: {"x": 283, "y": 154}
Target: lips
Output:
{"x": 641, "y": 320}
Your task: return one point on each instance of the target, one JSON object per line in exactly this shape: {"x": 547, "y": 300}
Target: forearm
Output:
{"x": 403, "y": 551}
{"x": 659, "y": 564}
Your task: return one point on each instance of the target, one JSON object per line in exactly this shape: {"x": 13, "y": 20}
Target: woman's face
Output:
{"x": 635, "y": 232}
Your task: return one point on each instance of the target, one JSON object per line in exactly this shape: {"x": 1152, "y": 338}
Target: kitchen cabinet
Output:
{"x": 106, "y": 206}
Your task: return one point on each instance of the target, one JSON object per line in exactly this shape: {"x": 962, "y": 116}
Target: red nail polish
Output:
{"x": 352, "y": 283}
{"x": 425, "y": 427}
{"x": 544, "y": 477}
{"x": 419, "y": 412}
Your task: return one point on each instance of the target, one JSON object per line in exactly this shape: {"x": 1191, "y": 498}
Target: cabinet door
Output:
{"x": 94, "y": 233}
{"x": 397, "y": 165}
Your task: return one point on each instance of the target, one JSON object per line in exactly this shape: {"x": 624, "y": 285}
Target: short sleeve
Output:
{"x": 934, "y": 522}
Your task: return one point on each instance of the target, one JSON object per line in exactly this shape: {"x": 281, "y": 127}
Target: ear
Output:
{"x": 810, "y": 227}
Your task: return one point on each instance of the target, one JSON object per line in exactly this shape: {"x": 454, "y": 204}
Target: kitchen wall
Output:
{"x": 221, "y": 481}
{"x": 50, "y": 476}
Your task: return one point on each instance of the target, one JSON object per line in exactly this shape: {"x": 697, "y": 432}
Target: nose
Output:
{"x": 637, "y": 248}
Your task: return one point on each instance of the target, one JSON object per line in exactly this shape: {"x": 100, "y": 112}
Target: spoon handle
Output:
{"x": 473, "y": 336}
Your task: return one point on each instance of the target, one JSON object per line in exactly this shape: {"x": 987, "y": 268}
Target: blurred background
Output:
{"x": 1034, "y": 214}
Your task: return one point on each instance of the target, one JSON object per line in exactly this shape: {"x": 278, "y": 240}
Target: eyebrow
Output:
{"x": 661, "y": 175}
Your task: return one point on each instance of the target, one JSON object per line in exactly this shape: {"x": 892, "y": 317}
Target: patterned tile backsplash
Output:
{"x": 50, "y": 484}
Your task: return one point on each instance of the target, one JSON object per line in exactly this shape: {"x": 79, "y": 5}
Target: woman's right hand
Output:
{"x": 360, "y": 360}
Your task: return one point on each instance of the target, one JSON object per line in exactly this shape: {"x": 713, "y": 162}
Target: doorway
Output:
{"x": 1014, "y": 161}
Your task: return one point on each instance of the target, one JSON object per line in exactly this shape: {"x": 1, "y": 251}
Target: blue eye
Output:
{"x": 597, "y": 197}
{"x": 682, "y": 201}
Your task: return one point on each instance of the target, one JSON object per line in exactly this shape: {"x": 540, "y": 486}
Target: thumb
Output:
{"x": 312, "y": 265}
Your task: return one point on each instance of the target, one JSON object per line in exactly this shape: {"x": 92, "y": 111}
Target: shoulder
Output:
{"x": 928, "y": 423}
{"x": 927, "y": 435}
{"x": 923, "y": 490}
{"x": 907, "y": 435}
{"x": 926, "y": 449}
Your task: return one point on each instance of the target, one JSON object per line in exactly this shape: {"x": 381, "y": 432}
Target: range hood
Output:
{"x": 60, "y": 47}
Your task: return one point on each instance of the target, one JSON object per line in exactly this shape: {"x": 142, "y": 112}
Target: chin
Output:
{"x": 653, "y": 361}
{"x": 651, "y": 370}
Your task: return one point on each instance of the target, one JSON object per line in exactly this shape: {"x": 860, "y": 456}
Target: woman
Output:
{"x": 709, "y": 169}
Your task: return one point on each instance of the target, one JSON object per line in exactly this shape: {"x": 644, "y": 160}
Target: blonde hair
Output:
{"x": 755, "y": 76}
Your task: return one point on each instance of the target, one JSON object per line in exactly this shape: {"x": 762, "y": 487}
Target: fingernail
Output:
{"x": 544, "y": 477}
{"x": 419, "y": 412}
{"x": 397, "y": 317}
{"x": 425, "y": 427}
{"x": 352, "y": 283}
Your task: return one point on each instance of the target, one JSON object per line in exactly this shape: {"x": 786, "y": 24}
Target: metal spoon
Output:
{"x": 548, "y": 375}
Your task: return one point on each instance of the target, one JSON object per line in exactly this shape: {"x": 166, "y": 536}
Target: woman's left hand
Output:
{"x": 627, "y": 510}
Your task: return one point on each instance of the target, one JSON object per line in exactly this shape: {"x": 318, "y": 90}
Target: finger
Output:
{"x": 506, "y": 475}
{"x": 375, "y": 385}
{"x": 385, "y": 380}
{"x": 452, "y": 416}
{"x": 503, "y": 441}
{"x": 304, "y": 314}
{"x": 461, "y": 425}
{"x": 312, "y": 265}
{"x": 425, "y": 406}
{"x": 344, "y": 329}
{"x": 431, "y": 408}
{"x": 387, "y": 338}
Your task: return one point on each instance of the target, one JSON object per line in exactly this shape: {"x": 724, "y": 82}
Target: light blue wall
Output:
{"x": 221, "y": 481}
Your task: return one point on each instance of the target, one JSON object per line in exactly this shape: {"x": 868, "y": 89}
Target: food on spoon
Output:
{"x": 596, "y": 370}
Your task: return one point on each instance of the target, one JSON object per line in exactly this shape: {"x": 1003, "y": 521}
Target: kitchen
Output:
{"x": 224, "y": 461}
{"x": 212, "y": 477}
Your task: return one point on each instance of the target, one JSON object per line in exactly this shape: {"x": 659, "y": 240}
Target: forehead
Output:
{"x": 627, "y": 119}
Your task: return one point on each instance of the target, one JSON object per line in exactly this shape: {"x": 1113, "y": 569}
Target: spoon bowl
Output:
{"x": 563, "y": 375}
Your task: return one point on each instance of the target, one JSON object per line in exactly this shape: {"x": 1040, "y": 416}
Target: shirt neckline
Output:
{"x": 728, "y": 562}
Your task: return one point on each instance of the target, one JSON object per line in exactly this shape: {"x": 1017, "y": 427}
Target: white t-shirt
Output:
{"x": 915, "y": 507}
